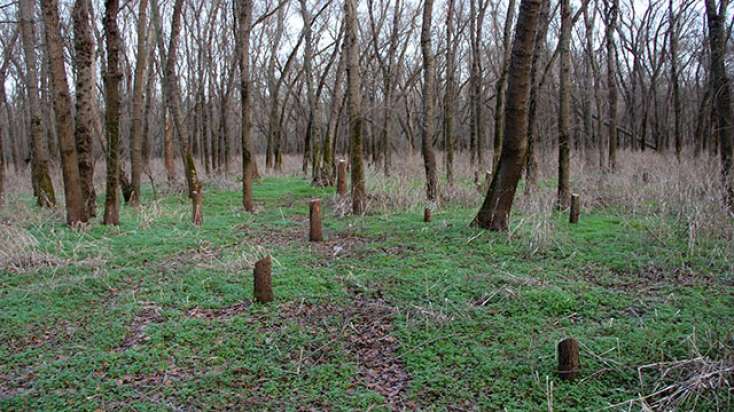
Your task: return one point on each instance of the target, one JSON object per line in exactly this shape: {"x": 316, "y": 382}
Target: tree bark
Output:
{"x": 429, "y": 157}
{"x": 612, "y": 9}
{"x": 722, "y": 95}
{"x": 245, "y": 23}
{"x": 112, "y": 113}
{"x": 85, "y": 101}
{"x": 75, "y": 208}
{"x": 136, "y": 126}
{"x": 354, "y": 102}
{"x": 501, "y": 87}
{"x": 449, "y": 96}
{"x": 495, "y": 211}
{"x": 564, "y": 112}
{"x": 41, "y": 180}
{"x": 174, "y": 105}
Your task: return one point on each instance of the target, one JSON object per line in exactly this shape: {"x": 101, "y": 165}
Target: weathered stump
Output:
{"x": 568, "y": 359}
{"x": 197, "y": 202}
{"x": 341, "y": 178}
{"x": 575, "y": 208}
{"x": 315, "y": 233}
{"x": 427, "y": 214}
{"x": 263, "y": 280}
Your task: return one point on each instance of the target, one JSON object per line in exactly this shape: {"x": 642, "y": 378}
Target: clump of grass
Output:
{"x": 19, "y": 251}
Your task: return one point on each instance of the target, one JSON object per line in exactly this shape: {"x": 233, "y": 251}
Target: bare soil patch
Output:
{"x": 149, "y": 314}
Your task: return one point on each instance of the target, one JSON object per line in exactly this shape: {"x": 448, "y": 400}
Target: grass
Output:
{"x": 388, "y": 312}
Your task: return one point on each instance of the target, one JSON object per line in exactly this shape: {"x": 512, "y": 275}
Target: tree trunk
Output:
{"x": 501, "y": 87}
{"x": 136, "y": 127}
{"x": 354, "y": 109}
{"x": 564, "y": 112}
{"x": 429, "y": 158}
{"x": 495, "y": 211}
{"x": 612, "y": 9}
{"x": 41, "y": 180}
{"x": 112, "y": 113}
{"x": 174, "y": 104}
{"x": 85, "y": 101}
{"x": 448, "y": 102}
{"x": 75, "y": 207}
{"x": 531, "y": 172}
{"x": 245, "y": 22}
{"x": 722, "y": 97}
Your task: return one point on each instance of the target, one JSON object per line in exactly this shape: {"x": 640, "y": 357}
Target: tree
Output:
{"x": 85, "y": 101}
{"x": 354, "y": 102}
{"x": 476, "y": 127}
{"x": 429, "y": 158}
{"x": 564, "y": 112}
{"x": 501, "y": 87}
{"x": 245, "y": 25}
{"x": 722, "y": 96}
{"x": 75, "y": 206}
{"x": 6, "y": 57}
{"x": 41, "y": 180}
{"x": 612, "y": 9}
{"x": 136, "y": 126}
{"x": 173, "y": 102}
{"x": 674, "y": 78}
{"x": 112, "y": 113}
{"x": 450, "y": 93}
{"x": 495, "y": 211}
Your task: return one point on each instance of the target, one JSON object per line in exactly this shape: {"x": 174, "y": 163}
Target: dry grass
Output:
{"x": 647, "y": 186}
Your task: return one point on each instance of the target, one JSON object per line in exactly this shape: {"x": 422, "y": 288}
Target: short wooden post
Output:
{"x": 341, "y": 177}
{"x": 263, "y": 280}
{"x": 427, "y": 214}
{"x": 568, "y": 359}
{"x": 315, "y": 233}
{"x": 575, "y": 208}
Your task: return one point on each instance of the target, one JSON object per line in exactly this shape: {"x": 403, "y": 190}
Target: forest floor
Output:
{"x": 387, "y": 313}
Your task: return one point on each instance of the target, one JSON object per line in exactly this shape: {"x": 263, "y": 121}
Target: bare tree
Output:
{"x": 429, "y": 81}
{"x": 354, "y": 103}
{"x": 612, "y": 10}
{"x": 244, "y": 27}
{"x": 136, "y": 126}
{"x": 75, "y": 207}
{"x": 6, "y": 58}
{"x": 564, "y": 112}
{"x": 501, "y": 87}
{"x": 85, "y": 101}
{"x": 42, "y": 185}
{"x": 112, "y": 113}
{"x": 495, "y": 211}
{"x": 722, "y": 96}
{"x": 450, "y": 93}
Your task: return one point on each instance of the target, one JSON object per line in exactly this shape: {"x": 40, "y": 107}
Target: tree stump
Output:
{"x": 263, "y": 280}
{"x": 315, "y": 233}
{"x": 575, "y": 208}
{"x": 427, "y": 214}
{"x": 341, "y": 178}
{"x": 568, "y": 359}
